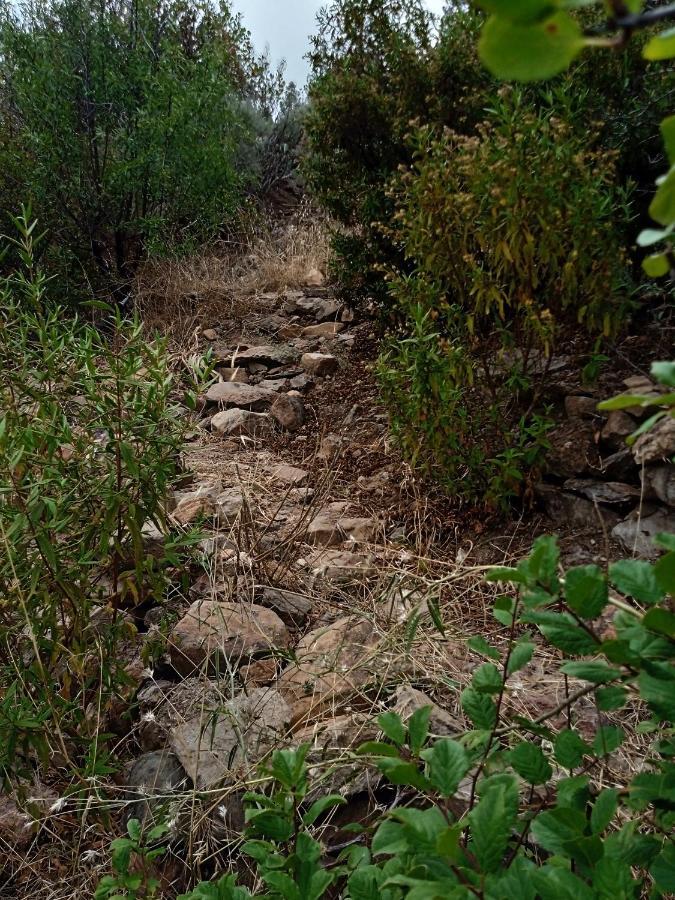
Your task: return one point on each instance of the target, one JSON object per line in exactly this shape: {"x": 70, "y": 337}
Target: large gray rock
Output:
{"x": 242, "y": 423}
{"x": 241, "y": 396}
{"x": 224, "y": 745}
{"x": 293, "y": 609}
{"x": 222, "y": 635}
{"x": 331, "y": 663}
{"x": 659, "y": 481}
{"x": 617, "y": 428}
{"x": 153, "y": 778}
{"x": 614, "y": 493}
{"x": 325, "y": 329}
{"x": 636, "y": 533}
{"x": 267, "y": 355}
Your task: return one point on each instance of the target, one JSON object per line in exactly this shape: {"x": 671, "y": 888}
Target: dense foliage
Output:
{"x": 88, "y": 449}
{"x": 486, "y": 223}
{"x": 129, "y": 125}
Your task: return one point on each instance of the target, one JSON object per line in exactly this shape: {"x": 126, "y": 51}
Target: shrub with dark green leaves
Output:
{"x": 125, "y": 124}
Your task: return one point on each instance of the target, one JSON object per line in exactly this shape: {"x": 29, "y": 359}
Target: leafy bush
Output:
{"x": 125, "y": 124}
{"x": 512, "y": 241}
{"x": 369, "y": 61}
{"x": 88, "y": 449}
{"x": 513, "y": 806}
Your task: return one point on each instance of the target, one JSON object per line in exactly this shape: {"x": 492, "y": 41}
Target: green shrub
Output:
{"x": 370, "y": 68}
{"x": 88, "y": 450}
{"x": 512, "y": 240}
{"x": 125, "y": 124}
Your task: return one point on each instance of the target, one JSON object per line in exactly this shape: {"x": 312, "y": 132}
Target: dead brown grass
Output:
{"x": 176, "y": 295}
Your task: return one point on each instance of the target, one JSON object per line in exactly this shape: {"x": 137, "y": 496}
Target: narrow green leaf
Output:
{"x": 393, "y": 727}
{"x": 604, "y": 810}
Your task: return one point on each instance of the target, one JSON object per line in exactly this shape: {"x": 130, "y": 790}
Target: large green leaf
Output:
{"x": 487, "y": 679}
{"x": 662, "y": 207}
{"x": 530, "y": 52}
{"x": 520, "y": 656}
{"x": 520, "y": 11}
{"x": 448, "y": 764}
{"x": 636, "y": 578}
{"x": 662, "y": 46}
{"x": 596, "y": 672}
{"x": 604, "y": 810}
{"x": 586, "y": 590}
{"x": 570, "y": 749}
{"x": 491, "y": 822}
{"x": 479, "y": 708}
{"x": 530, "y": 763}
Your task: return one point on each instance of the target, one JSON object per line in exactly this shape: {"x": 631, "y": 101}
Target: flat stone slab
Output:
{"x": 240, "y": 396}
{"x": 222, "y": 745}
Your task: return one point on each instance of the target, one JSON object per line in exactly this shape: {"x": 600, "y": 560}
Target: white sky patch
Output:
{"x": 285, "y": 26}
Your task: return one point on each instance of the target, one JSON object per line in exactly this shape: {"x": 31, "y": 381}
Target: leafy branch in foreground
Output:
{"x": 513, "y": 806}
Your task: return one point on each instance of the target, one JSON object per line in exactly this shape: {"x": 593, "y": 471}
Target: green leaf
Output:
{"x": 664, "y": 372}
{"x": 521, "y": 654}
{"x": 664, "y": 572}
{"x": 657, "y": 687}
{"x": 418, "y": 728}
{"x": 503, "y": 610}
{"x": 389, "y": 839}
{"x": 607, "y": 739}
{"x": 519, "y": 11}
{"x": 656, "y": 265}
{"x": 377, "y": 748}
{"x": 448, "y": 764}
{"x": 668, "y": 135}
{"x": 503, "y": 573}
{"x": 403, "y": 773}
{"x": 479, "y": 645}
{"x": 661, "y": 621}
{"x": 570, "y": 749}
{"x": 479, "y": 708}
{"x": 491, "y": 821}
{"x": 596, "y": 672}
{"x": 662, "y": 207}
{"x": 662, "y": 869}
{"x": 604, "y": 810}
{"x": 530, "y": 763}
{"x": 570, "y": 638}
{"x": 555, "y": 829}
{"x": 586, "y": 591}
{"x": 611, "y": 698}
{"x": 530, "y": 52}
{"x": 649, "y": 236}
{"x": 393, "y": 727}
{"x": 660, "y": 47}
{"x": 555, "y": 883}
{"x": 541, "y": 565}
{"x": 487, "y": 679}
{"x": 622, "y": 401}
{"x": 636, "y": 578}
{"x": 320, "y": 806}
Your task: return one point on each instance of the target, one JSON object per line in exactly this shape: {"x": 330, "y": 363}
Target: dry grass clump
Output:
{"x": 176, "y": 294}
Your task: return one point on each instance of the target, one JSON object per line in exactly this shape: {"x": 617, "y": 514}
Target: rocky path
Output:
{"x": 312, "y": 613}
{"x": 309, "y": 615}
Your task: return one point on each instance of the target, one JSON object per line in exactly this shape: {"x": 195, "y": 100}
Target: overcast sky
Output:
{"x": 286, "y": 25}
